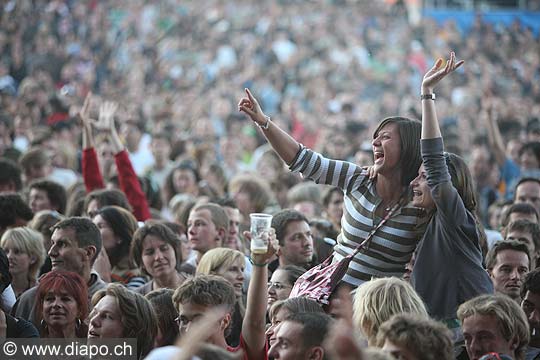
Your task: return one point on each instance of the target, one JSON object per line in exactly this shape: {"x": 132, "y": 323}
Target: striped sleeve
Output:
{"x": 321, "y": 170}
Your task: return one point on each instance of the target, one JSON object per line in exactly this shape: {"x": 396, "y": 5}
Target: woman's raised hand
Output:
{"x": 106, "y": 116}
{"x": 84, "y": 113}
{"x": 438, "y": 72}
{"x": 251, "y": 107}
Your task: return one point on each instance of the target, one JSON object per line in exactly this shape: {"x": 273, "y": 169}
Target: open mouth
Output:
{"x": 417, "y": 193}
{"x": 92, "y": 333}
{"x": 378, "y": 155}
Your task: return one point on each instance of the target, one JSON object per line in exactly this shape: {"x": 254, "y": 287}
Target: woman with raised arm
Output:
{"x": 129, "y": 183}
{"x": 448, "y": 268}
{"x": 368, "y": 202}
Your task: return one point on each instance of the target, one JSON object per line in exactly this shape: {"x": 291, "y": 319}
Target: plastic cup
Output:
{"x": 259, "y": 227}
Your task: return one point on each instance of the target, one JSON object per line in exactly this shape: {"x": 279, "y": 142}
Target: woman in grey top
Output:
{"x": 448, "y": 268}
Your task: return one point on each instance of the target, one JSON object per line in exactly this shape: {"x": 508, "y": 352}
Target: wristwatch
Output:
{"x": 427, "y": 96}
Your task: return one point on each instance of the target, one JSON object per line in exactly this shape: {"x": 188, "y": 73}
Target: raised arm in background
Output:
{"x": 430, "y": 124}
{"x": 495, "y": 139}
{"x": 127, "y": 178}
{"x": 128, "y": 181}
{"x": 284, "y": 144}
{"x": 90, "y": 167}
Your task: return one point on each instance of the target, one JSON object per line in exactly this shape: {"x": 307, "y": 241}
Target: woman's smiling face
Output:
{"x": 421, "y": 191}
{"x": 387, "y": 149}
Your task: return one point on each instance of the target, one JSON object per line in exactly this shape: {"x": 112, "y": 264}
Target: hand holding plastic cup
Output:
{"x": 259, "y": 227}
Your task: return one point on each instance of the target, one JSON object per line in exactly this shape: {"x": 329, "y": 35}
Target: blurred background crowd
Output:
{"x": 326, "y": 70}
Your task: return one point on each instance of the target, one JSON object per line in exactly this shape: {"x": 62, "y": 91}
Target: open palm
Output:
{"x": 438, "y": 72}
{"x": 106, "y": 116}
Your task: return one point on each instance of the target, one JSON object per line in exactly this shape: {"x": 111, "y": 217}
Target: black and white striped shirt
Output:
{"x": 392, "y": 245}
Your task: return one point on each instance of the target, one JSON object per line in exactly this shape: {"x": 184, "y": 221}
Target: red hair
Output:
{"x": 63, "y": 281}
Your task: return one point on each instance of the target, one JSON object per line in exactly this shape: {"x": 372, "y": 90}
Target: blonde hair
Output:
{"x": 378, "y": 300}
{"x": 28, "y": 241}
{"x": 511, "y": 319}
{"x": 217, "y": 258}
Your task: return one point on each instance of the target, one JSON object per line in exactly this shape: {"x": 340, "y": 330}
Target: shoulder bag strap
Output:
{"x": 368, "y": 238}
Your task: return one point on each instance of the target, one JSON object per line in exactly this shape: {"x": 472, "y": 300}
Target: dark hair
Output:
{"x": 491, "y": 257}
{"x": 205, "y": 290}
{"x": 136, "y": 314}
{"x": 160, "y": 230}
{"x": 149, "y": 187}
{"x": 282, "y": 219}
{"x": 168, "y": 186}
{"x": 123, "y": 224}
{"x": 75, "y": 200}
{"x": 152, "y": 192}
{"x": 13, "y": 207}
{"x": 293, "y": 272}
{"x": 226, "y": 202}
{"x": 409, "y": 133}
{"x": 524, "y": 180}
{"x": 325, "y": 227}
{"x": 526, "y": 226}
{"x": 10, "y": 172}
{"x": 327, "y": 194}
{"x": 86, "y": 232}
{"x": 296, "y": 305}
{"x": 5, "y": 275}
{"x": 315, "y": 327}
{"x": 106, "y": 197}
{"x": 521, "y": 208}
{"x": 161, "y": 301}
{"x": 462, "y": 180}
{"x": 532, "y": 146}
{"x": 531, "y": 283}
{"x": 55, "y": 192}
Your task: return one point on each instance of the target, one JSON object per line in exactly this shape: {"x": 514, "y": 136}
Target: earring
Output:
{"x": 78, "y": 323}
{"x": 43, "y": 324}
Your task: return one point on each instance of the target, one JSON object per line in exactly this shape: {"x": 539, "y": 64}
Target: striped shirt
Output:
{"x": 392, "y": 245}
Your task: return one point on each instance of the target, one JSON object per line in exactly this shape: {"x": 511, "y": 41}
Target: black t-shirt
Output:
{"x": 20, "y": 328}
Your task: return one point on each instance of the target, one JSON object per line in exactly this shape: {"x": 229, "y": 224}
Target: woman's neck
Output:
{"x": 389, "y": 189}
{"x": 20, "y": 283}
{"x": 171, "y": 281}
{"x": 66, "y": 332}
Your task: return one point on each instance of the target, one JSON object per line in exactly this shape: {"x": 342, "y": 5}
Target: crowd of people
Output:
{"x": 137, "y": 137}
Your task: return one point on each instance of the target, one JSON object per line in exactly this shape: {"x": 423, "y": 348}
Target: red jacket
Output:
{"x": 129, "y": 183}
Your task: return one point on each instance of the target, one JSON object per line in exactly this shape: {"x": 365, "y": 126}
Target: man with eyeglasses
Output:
{"x": 204, "y": 294}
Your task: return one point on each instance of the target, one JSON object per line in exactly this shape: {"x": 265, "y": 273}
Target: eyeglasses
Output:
{"x": 278, "y": 286}
{"x": 182, "y": 322}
